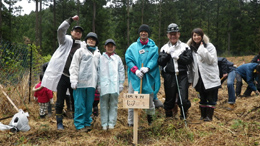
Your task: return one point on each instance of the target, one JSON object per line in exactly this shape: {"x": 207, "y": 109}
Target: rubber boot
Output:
{"x": 210, "y": 112}
{"x": 59, "y": 122}
{"x": 203, "y": 112}
{"x": 149, "y": 119}
{"x": 168, "y": 113}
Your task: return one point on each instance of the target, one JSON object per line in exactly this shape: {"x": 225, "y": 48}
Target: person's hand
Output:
{"x": 225, "y": 75}
{"x": 139, "y": 74}
{"x": 144, "y": 69}
{"x": 73, "y": 86}
{"x": 121, "y": 87}
{"x": 257, "y": 92}
{"x": 75, "y": 18}
{"x": 51, "y": 101}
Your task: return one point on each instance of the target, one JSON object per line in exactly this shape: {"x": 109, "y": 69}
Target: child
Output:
{"x": 44, "y": 96}
{"x": 110, "y": 84}
{"x": 83, "y": 78}
{"x": 95, "y": 103}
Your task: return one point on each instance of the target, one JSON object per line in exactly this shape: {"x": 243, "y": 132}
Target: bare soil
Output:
{"x": 240, "y": 126}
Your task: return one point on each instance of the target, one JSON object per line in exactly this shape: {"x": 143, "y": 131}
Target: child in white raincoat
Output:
{"x": 83, "y": 78}
{"x": 110, "y": 84}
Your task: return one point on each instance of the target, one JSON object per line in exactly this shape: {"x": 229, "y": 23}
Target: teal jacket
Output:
{"x": 133, "y": 57}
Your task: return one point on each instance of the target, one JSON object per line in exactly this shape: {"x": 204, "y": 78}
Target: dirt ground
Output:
{"x": 240, "y": 126}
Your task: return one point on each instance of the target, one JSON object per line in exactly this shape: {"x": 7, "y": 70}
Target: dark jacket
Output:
{"x": 166, "y": 62}
{"x": 225, "y": 66}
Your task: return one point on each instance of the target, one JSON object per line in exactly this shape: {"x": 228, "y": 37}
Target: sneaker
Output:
{"x": 104, "y": 127}
{"x": 110, "y": 127}
{"x": 158, "y": 103}
{"x": 82, "y": 130}
{"x": 230, "y": 107}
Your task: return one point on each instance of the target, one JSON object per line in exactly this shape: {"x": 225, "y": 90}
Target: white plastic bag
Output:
{"x": 20, "y": 121}
{"x": 4, "y": 127}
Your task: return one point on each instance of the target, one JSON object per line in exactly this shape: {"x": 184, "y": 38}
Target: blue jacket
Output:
{"x": 149, "y": 59}
{"x": 246, "y": 71}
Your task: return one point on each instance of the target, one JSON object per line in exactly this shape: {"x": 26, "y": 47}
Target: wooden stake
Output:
{"x": 9, "y": 98}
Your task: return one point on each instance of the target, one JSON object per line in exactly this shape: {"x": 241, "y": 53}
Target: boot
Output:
{"x": 59, "y": 122}
{"x": 149, "y": 119}
{"x": 203, "y": 112}
{"x": 230, "y": 107}
{"x": 210, "y": 112}
{"x": 168, "y": 113}
{"x": 175, "y": 110}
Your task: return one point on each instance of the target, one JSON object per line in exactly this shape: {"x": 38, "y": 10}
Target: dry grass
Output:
{"x": 238, "y": 127}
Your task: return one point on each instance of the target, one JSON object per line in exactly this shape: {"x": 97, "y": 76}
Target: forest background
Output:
{"x": 233, "y": 26}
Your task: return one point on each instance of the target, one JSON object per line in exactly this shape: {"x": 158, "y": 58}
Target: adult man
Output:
{"x": 228, "y": 71}
{"x": 56, "y": 77}
{"x": 174, "y": 58}
{"x": 248, "y": 72}
{"x": 248, "y": 91}
{"x": 143, "y": 51}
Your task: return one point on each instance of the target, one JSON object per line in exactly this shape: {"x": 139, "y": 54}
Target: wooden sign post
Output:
{"x": 136, "y": 101}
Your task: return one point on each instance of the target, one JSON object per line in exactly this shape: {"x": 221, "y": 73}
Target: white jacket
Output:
{"x": 111, "y": 74}
{"x": 84, "y": 68}
{"x": 206, "y": 61}
{"x": 58, "y": 60}
{"x": 175, "y": 51}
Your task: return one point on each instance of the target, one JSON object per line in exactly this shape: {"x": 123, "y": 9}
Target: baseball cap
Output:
{"x": 110, "y": 41}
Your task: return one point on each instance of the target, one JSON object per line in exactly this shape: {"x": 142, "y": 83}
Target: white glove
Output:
{"x": 121, "y": 87}
{"x": 139, "y": 74}
{"x": 175, "y": 56}
{"x": 51, "y": 101}
{"x": 99, "y": 89}
{"x": 35, "y": 98}
{"x": 144, "y": 69}
{"x": 73, "y": 86}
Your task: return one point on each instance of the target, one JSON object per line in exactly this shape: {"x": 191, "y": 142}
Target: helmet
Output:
{"x": 92, "y": 35}
{"x": 172, "y": 28}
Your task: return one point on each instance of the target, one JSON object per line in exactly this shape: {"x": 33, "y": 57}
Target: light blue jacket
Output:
{"x": 135, "y": 57}
{"x": 111, "y": 74}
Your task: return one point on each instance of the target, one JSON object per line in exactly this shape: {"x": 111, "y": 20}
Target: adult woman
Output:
{"x": 204, "y": 74}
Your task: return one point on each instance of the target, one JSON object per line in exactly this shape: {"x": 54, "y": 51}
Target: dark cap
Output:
{"x": 146, "y": 28}
{"x": 92, "y": 35}
{"x": 110, "y": 41}
{"x": 78, "y": 27}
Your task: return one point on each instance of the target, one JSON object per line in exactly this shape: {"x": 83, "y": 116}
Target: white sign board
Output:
{"x": 136, "y": 101}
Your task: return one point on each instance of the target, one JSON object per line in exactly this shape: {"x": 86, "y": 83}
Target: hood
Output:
{"x": 151, "y": 43}
{"x": 205, "y": 39}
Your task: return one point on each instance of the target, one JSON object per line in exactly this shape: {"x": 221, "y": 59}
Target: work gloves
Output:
{"x": 139, "y": 74}
{"x": 144, "y": 70}
{"x": 73, "y": 86}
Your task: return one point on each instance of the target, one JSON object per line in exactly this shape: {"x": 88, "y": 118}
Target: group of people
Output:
{"x": 80, "y": 68}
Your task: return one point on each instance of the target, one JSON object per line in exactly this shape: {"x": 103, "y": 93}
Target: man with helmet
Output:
{"x": 174, "y": 58}
{"x": 56, "y": 76}
{"x": 83, "y": 78}
{"x": 143, "y": 51}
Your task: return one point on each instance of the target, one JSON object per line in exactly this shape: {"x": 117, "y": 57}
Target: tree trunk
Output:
{"x": 40, "y": 25}
{"x": 128, "y": 7}
{"x": 0, "y": 20}
{"x": 54, "y": 26}
{"x": 160, "y": 23}
{"x": 94, "y": 16}
{"x": 37, "y": 24}
{"x": 78, "y": 4}
{"x": 142, "y": 21}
